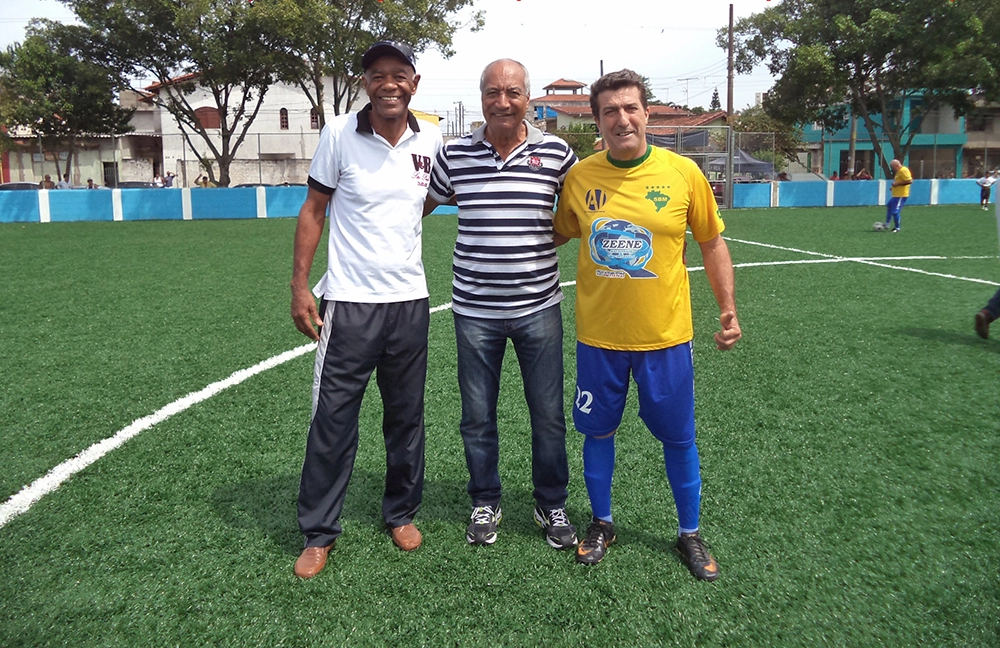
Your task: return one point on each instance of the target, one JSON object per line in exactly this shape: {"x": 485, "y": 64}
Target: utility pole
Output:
{"x": 729, "y": 117}
{"x": 460, "y": 117}
{"x": 686, "y": 81}
{"x": 729, "y": 81}
{"x": 852, "y": 148}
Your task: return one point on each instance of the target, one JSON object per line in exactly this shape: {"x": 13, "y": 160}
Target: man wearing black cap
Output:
{"x": 371, "y": 169}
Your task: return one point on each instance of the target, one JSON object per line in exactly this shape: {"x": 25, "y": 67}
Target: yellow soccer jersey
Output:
{"x": 903, "y": 175}
{"x": 632, "y": 290}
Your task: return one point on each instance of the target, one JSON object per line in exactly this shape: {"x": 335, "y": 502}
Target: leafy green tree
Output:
{"x": 715, "y": 104}
{"x": 51, "y": 83}
{"x": 869, "y": 58}
{"x": 326, "y": 38}
{"x": 763, "y": 136}
{"x": 580, "y": 137}
{"x": 650, "y": 95}
{"x": 220, "y": 48}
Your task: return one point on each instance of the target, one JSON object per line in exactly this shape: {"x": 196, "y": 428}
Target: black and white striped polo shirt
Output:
{"x": 505, "y": 263}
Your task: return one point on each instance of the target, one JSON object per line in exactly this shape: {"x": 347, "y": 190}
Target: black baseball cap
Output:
{"x": 401, "y": 51}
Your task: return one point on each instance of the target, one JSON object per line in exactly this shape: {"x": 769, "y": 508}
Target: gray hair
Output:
{"x": 527, "y": 78}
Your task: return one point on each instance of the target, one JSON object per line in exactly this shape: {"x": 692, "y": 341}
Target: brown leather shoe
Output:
{"x": 311, "y": 561}
{"x": 983, "y": 320}
{"x": 406, "y": 537}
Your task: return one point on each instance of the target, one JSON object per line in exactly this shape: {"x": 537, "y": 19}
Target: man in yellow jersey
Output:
{"x": 631, "y": 207}
{"x": 900, "y": 192}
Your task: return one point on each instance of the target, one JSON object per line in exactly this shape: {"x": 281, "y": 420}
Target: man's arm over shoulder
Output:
{"x": 440, "y": 189}
{"x": 565, "y": 222}
{"x": 569, "y": 160}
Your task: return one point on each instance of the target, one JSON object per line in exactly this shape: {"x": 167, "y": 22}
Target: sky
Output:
{"x": 670, "y": 42}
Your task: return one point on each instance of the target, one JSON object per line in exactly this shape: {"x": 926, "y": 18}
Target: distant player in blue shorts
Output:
{"x": 900, "y": 192}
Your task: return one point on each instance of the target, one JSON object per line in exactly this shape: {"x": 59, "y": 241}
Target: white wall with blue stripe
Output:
{"x": 853, "y": 193}
{"x": 57, "y": 206}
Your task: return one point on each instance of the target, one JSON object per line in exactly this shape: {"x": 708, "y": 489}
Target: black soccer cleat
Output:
{"x": 694, "y": 553}
{"x": 591, "y": 550}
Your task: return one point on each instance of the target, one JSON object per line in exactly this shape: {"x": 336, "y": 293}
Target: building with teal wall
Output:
{"x": 936, "y": 152}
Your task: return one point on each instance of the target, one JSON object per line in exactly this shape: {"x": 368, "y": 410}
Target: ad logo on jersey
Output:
{"x": 421, "y": 169}
{"x": 622, "y": 248}
{"x": 534, "y": 163}
{"x": 595, "y": 199}
{"x": 658, "y": 199}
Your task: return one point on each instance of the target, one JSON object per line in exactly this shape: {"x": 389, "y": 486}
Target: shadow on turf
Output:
{"x": 268, "y": 506}
{"x": 948, "y": 337}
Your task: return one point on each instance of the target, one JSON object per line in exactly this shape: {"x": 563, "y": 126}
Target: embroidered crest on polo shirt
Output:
{"x": 421, "y": 169}
{"x": 534, "y": 163}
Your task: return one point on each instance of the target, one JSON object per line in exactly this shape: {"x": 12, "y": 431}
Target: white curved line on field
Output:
{"x": 23, "y": 500}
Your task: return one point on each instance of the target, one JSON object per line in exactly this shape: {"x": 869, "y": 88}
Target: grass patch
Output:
{"x": 849, "y": 448}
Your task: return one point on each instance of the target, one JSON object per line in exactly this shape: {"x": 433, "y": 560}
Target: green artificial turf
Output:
{"x": 849, "y": 449}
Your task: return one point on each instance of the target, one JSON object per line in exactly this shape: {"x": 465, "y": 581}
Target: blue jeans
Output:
{"x": 537, "y": 342}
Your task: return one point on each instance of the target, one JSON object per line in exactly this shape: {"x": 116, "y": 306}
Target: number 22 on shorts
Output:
{"x": 584, "y": 399}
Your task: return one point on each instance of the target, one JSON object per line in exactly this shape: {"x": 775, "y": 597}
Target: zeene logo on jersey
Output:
{"x": 622, "y": 244}
{"x": 421, "y": 169}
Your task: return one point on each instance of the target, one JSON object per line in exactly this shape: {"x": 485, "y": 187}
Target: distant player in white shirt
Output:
{"x": 985, "y": 185}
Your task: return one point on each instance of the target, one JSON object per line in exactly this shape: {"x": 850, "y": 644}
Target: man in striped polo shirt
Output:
{"x": 505, "y": 177}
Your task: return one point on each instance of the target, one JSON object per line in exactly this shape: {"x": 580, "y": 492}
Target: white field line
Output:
{"x": 24, "y": 499}
{"x": 872, "y": 261}
{"x": 21, "y": 501}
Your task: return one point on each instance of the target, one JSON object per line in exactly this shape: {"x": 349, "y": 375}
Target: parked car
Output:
{"x": 253, "y": 184}
{"x": 136, "y": 184}
{"x": 16, "y": 186}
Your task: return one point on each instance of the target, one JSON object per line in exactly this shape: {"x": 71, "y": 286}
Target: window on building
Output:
{"x": 283, "y": 118}
{"x": 208, "y": 117}
{"x": 314, "y": 119}
{"x": 979, "y": 122}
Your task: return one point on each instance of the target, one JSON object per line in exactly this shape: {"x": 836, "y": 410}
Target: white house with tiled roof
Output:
{"x": 279, "y": 143}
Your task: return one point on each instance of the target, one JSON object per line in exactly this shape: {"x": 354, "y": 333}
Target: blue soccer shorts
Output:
{"x": 664, "y": 377}
{"x": 893, "y": 207}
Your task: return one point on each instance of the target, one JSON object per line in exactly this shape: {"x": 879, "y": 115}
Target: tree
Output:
{"x": 581, "y": 138}
{"x": 326, "y": 38}
{"x": 221, "y": 47}
{"x": 873, "y": 59}
{"x": 51, "y": 84}
{"x": 651, "y": 100}
{"x": 715, "y": 104}
{"x": 759, "y": 128}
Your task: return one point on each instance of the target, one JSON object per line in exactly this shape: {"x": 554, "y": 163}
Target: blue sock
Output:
{"x": 684, "y": 475}
{"x": 598, "y": 467}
